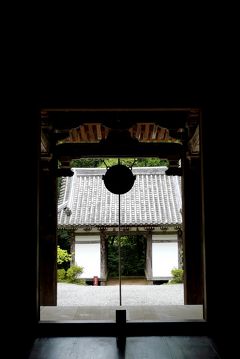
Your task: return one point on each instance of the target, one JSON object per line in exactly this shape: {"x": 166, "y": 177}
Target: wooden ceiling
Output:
{"x": 96, "y": 132}
{"x": 117, "y": 132}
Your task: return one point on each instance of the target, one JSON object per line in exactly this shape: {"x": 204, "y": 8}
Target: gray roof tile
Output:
{"x": 155, "y": 199}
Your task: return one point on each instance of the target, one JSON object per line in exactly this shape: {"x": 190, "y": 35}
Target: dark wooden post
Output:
{"x": 103, "y": 251}
{"x": 180, "y": 248}
{"x": 47, "y": 235}
{"x": 72, "y": 246}
{"x": 192, "y": 224}
{"x": 148, "y": 270}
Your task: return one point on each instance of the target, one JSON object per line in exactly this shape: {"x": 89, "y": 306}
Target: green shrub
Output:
{"x": 63, "y": 256}
{"x": 177, "y": 276}
{"x": 73, "y": 274}
{"x": 61, "y": 274}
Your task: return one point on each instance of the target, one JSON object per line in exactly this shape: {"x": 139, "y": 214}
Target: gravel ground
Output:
{"x": 72, "y": 294}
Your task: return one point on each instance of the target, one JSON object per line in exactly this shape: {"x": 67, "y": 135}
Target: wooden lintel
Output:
{"x": 78, "y": 150}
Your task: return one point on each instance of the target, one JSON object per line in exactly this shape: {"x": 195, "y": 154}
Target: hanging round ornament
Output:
{"x": 119, "y": 179}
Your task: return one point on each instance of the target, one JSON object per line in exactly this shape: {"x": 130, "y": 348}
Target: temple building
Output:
{"x": 152, "y": 208}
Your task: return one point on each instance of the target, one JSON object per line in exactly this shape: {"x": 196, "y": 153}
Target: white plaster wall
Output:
{"x": 88, "y": 256}
{"x": 164, "y": 258}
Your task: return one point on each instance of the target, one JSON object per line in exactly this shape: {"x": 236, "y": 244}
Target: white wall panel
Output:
{"x": 164, "y": 258}
{"x": 87, "y": 255}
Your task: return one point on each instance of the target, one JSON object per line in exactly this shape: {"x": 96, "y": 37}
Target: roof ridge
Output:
{"x": 136, "y": 170}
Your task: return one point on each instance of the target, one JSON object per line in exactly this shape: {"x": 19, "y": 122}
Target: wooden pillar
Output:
{"x": 47, "y": 235}
{"x": 180, "y": 249}
{"x": 72, "y": 247}
{"x": 103, "y": 253}
{"x": 192, "y": 224}
{"x": 148, "y": 269}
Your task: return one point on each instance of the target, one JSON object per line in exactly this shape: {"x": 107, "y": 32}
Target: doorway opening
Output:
{"x": 133, "y": 259}
{"x": 165, "y": 248}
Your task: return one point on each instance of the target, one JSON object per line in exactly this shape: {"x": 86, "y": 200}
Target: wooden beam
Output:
{"x": 92, "y": 136}
{"x": 180, "y": 250}
{"x": 96, "y": 150}
{"x": 48, "y": 235}
{"x": 83, "y": 133}
{"x": 172, "y": 118}
{"x": 103, "y": 251}
{"x": 148, "y": 269}
{"x": 99, "y": 132}
{"x": 146, "y": 132}
{"x": 72, "y": 247}
{"x": 192, "y": 224}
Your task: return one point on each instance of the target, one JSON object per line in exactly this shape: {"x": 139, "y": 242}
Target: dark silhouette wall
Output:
{"x": 21, "y": 212}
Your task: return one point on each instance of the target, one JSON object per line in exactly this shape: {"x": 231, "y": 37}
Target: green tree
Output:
{"x": 137, "y": 162}
{"x": 101, "y": 162}
{"x": 86, "y": 162}
{"x": 151, "y": 162}
{"x": 133, "y": 254}
{"x": 64, "y": 238}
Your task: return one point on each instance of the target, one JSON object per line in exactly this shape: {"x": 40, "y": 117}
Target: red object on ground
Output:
{"x": 95, "y": 280}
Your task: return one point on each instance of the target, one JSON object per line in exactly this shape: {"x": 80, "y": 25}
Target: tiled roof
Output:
{"x": 155, "y": 199}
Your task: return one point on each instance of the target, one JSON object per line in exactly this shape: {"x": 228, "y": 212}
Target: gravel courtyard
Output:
{"x": 142, "y": 302}
{"x": 72, "y": 294}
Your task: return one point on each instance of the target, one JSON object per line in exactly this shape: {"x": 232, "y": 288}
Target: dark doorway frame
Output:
{"x": 143, "y": 328}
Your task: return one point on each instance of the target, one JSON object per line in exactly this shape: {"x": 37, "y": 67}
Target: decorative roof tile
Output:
{"x": 154, "y": 200}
